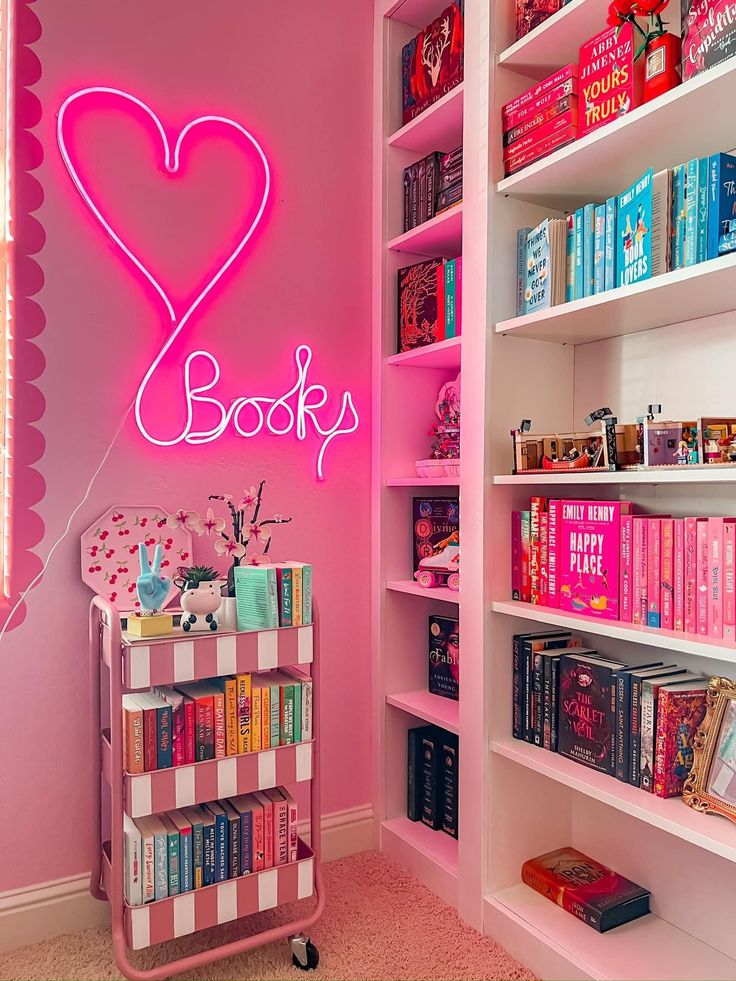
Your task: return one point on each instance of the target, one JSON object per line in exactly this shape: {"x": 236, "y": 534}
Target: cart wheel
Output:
{"x": 304, "y": 954}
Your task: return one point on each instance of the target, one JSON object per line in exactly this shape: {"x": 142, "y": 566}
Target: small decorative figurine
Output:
{"x": 443, "y": 566}
{"x": 200, "y": 597}
{"x": 444, "y": 457}
{"x": 153, "y": 590}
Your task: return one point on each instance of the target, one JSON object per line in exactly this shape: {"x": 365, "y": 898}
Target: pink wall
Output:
{"x": 294, "y": 72}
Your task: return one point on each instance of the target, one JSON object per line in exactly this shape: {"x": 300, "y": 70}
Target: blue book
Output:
{"x": 588, "y": 248}
{"x": 579, "y": 288}
{"x": 233, "y": 837}
{"x": 634, "y": 231}
{"x": 691, "y": 212}
{"x": 701, "y": 249}
{"x": 208, "y": 847}
{"x": 521, "y": 235}
{"x": 599, "y": 249}
{"x": 678, "y": 216}
{"x": 610, "y": 268}
{"x": 570, "y": 258}
{"x": 538, "y": 290}
{"x": 221, "y": 841}
{"x": 721, "y": 204}
{"x": 450, "y": 299}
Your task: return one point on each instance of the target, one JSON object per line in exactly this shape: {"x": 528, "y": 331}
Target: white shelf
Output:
{"x": 672, "y": 298}
{"x": 434, "y": 709}
{"x": 665, "y": 639}
{"x": 555, "y": 943}
{"x": 418, "y": 13}
{"x": 442, "y": 593}
{"x": 683, "y": 123}
{"x": 443, "y": 354}
{"x": 432, "y": 856}
{"x": 673, "y": 816}
{"x": 557, "y": 41}
{"x": 440, "y": 127}
{"x": 655, "y": 478}
{"x": 440, "y": 236}
{"x": 423, "y": 481}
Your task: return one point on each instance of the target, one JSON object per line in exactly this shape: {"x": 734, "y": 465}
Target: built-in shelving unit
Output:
{"x": 441, "y": 235}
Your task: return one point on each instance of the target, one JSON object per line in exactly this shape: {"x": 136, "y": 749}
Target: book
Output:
{"x": 680, "y": 712}
{"x": 421, "y": 319}
{"x": 537, "y": 505}
{"x": 431, "y": 182}
{"x": 444, "y": 657}
{"x": 160, "y": 857}
{"x": 449, "y": 783}
{"x": 133, "y": 878}
{"x": 702, "y": 217}
{"x": 579, "y": 256}
{"x": 175, "y": 699}
{"x": 432, "y": 62}
{"x": 256, "y": 597}
{"x": 554, "y": 510}
{"x": 588, "y": 248}
{"x": 256, "y": 729}
{"x": 708, "y": 35}
{"x": 174, "y": 871}
{"x": 623, "y": 724}
{"x": 186, "y": 854}
{"x": 610, "y": 244}
{"x": 638, "y": 677}
{"x": 285, "y": 589}
{"x": 643, "y": 228}
{"x": 587, "y": 723}
{"x": 702, "y": 584}
{"x": 625, "y": 611}
{"x": 529, "y": 645}
{"x": 148, "y": 860}
{"x": 679, "y": 574}
{"x": 202, "y": 696}
{"x": 303, "y": 581}
{"x": 234, "y": 833}
{"x": 243, "y": 806}
{"x": 546, "y": 265}
{"x": 610, "y": 79}
{"x": 526, "y": 594}
{"x": 280, "y": 826}
{"x": 459, "y": 296}
{"x": 244, "y": 710}
{"x": 307, "y": 710}
{"x": 721, "y": 204}
{"x": 729, "y": 581}
{"x": 569, "y": 259}
{"x": 516, "y": 555}
{"x": 268, "y": 841}
{"x": 667, "y": 573}
{"x": 293, "y": 825}
{"x": 593, "y": 893}
{"x": 531, "y": 13}
{"x": 691, "y": 211}
{"x": 715, "y": 576}
{"x": 654, "y": 572}
{"x": 422, "y": 191}
{"x": 446, "y": 199}
{"x": 679, "y": 215}
{"x": 650, "y": 723}
{"x": 533, "y": 123}
{"x": 599, "y": 249}
{"x": 429, "y": 772}
{"x": 450, "y": 285}
{"x": 589, "y": 556}
{"x": 221, "y": 840}
{"x": 132, "y": 734}
{"x": 525, "y": 153}
{"x": 229, "y": 687}
{"x": 554, "y": 86}
{"x": 435, "y": 520}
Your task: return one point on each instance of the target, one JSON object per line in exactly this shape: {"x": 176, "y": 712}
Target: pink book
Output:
{"x": 729, "y": 583}
{"x": 702, "y": 569}
{"x": 528, "y": 97}
{"x": 293, "y": 825}
{"x": 589, "y": 557}
{"x": 516, "y": 555}
{"x": 715, "y": 577}
{"x": 267, "y": 806}
{"x": 540, "y": 135}
{"x": 553, "y": 544}
{"x": 691, "y": 571}
{"x": 566, "y": 89}
{"x": 536, "y": 507}
{"x": 654, "y": 571}
{"x": 639, "y": 561}
{"x": 543, "y": 558}
{"x": 280, "y": 826}
{"x": 526, "y": 580}
{"x": 679, "y": 573}
{"x": 667, "y": 574}
{"x": 458, "y": 296}
{"x": 189, "y": 729}
{"x": 625, "y": 583}
{"x": 258, "y": 833}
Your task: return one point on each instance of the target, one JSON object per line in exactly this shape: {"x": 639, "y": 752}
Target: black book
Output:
{"x": 637, "y": 679}
{"x": 432, "y": 174}
{"x": 527, "y": 645}
{"x": 623, "y": 708}
{"x": 449, "y": 783}
{"x": 414, "y": 772}
{"x": 431, "y": 750}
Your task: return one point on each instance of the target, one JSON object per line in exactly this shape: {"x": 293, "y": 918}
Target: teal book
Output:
{"x": 678, "y": 216}
{"x": 521, "y": 235}
{"x": 450, "y": 299}
{"x": 701, "y": 249}
{"x": 691, "y": 212}
{"x": 570, "y": 258}
{"x": 721, "y": 204}
{"x": 599, "y": 249}
{"x": 610, "y": 270}
{"x": 633, "y": 231}
{"x": 588, "y": 248}
{"x": 579, "y": 290}
{"x": 297, "y": 711}
{"x": 172, "y": 837}
{"x": 275, "y": 710}
{"x": 256, "y": 597}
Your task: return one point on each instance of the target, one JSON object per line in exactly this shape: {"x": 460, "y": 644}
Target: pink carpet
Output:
{"x": 379, "y": 923}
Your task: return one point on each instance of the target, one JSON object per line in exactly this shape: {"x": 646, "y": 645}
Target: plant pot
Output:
{"x": 662, "y": 70}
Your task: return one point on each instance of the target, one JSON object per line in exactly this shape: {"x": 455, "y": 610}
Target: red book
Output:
{"x": 537, "y": 136}
{"x": 268, "y": 842}
{"x": 610, "y": 81}
{"x": 593, "y": 893}
{"x": 681, "y": 709}
{"x": 549, "y": 98}
{"x": 204, "y": 719}
{"x": 528, "y": 97}
{"x": 258, "y": 832}
{"x": 189, "y": 731}
{"x": 540, "y": 150}
{"x": 543, "y": 558}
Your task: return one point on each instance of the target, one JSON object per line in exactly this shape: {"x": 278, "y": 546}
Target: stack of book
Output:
{"x": 431, "y": 185}
{"x": 598, "y": 559}
{"x": 182, "y": 850}
{"x": 208, "y": 720}
{"x": 633, "y": 722}
{"x": 430, "y": 302}
{"x": 540, "y": 120}
{"x": 432, "y": 779}
{"x": 274, "y": 595}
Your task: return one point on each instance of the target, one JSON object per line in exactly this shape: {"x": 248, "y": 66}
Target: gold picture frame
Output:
{"x": 711, "y": 784}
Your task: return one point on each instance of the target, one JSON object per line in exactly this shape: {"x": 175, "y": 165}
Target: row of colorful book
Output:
{"x": 664, "y": 221}
{"x": 430, "y": 300}
{"x": 431, "y": 185}
{"x": 209, "y": 720}
{"x": 275, "y": 595}
{"x": 432, "y": 778}
{"x": 633, "y": 722}
{"x": 599, "y": 559}
{"x": 182, "y": 850}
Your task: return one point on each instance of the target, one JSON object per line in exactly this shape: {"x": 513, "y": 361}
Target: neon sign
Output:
{"x": 295, "y": 410}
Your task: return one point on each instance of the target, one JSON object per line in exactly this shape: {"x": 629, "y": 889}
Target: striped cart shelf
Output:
{"x": 134, "y": 664}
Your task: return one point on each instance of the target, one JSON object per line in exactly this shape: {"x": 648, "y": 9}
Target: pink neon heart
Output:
{"x": 171, "y": 163}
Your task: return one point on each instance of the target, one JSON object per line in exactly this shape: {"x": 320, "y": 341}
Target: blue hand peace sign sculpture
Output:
{"x": 152, "y": 587}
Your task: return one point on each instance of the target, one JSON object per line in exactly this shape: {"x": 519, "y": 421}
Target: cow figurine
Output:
{"x": 200, "y": 601}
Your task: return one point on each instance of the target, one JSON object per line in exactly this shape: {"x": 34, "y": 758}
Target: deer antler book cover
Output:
{"x": 432, "y": 62}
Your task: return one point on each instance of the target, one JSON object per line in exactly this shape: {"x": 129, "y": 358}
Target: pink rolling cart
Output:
{"x": 119, "y": 663}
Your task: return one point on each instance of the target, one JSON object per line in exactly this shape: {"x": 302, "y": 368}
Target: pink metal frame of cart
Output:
{"x": 119, "y": 664}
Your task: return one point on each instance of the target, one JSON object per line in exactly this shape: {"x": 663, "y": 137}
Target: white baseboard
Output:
{"x": 50, "y": 909}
